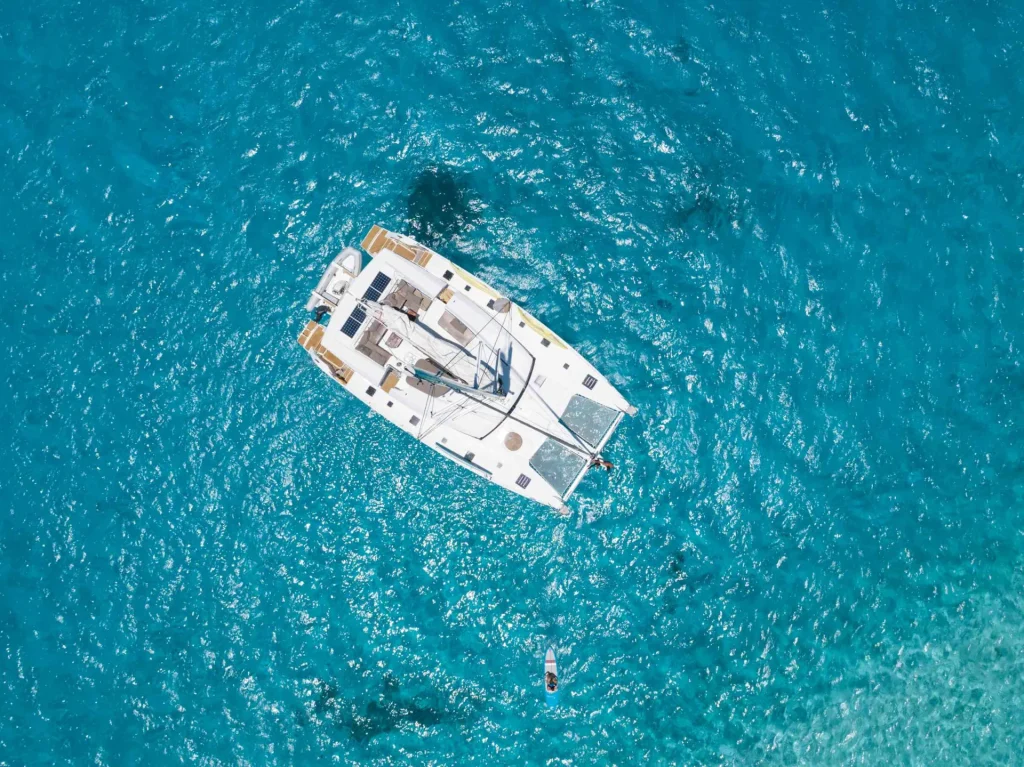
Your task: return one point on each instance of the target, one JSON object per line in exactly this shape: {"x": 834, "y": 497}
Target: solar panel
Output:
{"x": 380, "y": 282}
{"x": 354, "y": 321}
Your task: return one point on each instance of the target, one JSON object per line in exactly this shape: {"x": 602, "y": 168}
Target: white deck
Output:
{"x": 541, "y": 411}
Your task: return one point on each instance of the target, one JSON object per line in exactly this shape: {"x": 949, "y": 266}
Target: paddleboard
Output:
{"x": 550, "y": 678}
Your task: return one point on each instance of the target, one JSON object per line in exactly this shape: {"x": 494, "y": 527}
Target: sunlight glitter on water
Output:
{"x": 790, "y": 238}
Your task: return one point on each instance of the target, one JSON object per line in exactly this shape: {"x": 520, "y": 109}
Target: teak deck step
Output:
{"x": 339, "y": 369}
{"x": 374, "y": 240}
{"x": 379, "y": 238}
{"x": 310, "y": 339}
{"x": 311, "y": 335}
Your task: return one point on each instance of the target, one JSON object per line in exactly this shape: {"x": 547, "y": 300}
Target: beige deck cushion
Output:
{"x": 375, "y": 353}
{"x": 391, "y": 378}
{"x": 369, "y": 343}
{"x": 407, "y": 298}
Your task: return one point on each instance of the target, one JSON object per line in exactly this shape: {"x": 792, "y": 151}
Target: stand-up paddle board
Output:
{"x": 550, "y": 678}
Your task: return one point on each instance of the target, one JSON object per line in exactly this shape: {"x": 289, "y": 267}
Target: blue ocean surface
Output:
{"x": 790, "y": 233}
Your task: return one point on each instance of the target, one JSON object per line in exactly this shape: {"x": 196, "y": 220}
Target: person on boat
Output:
{"x": 551, "y": 681}
{"x": 599, "y": 461}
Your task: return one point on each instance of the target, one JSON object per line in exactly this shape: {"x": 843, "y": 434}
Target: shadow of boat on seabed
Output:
{"x": 440, "y": 205}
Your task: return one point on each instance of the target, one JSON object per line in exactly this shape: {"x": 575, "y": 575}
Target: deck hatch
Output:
{"x": 523, "y": 481}
{"x": 590, "y": 382}
{"x": 354, "y": 322}
{"x": 377, "y": 287}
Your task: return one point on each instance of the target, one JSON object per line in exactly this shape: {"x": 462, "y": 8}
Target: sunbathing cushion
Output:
{"x": 374, "y": 333}
{"x": 375, "y": 353}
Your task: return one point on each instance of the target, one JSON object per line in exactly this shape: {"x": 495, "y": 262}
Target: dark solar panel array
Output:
{"x": 351, "y": 326}
{"x": 380, "y": 282}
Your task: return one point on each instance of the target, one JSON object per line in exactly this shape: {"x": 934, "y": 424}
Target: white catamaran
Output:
{"x": 461, "y": 368}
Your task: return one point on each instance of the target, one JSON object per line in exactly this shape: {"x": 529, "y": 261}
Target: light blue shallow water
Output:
{"x": 790, "y": 233}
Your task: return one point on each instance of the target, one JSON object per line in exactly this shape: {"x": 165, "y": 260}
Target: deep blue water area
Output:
{"x": 790, "y": 233}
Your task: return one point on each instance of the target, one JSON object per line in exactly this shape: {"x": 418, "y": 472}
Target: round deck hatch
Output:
{"x": 513, "y": 441}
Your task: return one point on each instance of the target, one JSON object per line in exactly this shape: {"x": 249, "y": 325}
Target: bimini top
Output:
{"x": 461, "y": 368}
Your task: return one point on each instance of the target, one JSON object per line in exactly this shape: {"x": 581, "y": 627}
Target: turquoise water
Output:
{"x": 791, "y": 234}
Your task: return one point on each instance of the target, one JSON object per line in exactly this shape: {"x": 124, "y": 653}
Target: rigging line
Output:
{"x": 583, "y": 444}
{"x": 454, "y": 408}
{"x": 559, "y": 440}
{"x": 423, "y": 416}
{"x": 449, "y": 416}
{"x": 583, "y": 448}
{"x": 444, "y": 413}
{"x": 465, "y": 348}
{"x": 379, "y": 309}
{"x": 537, "y": 394}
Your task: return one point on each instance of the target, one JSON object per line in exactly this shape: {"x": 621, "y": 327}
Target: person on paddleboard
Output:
{"x": 550, "y": 679}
